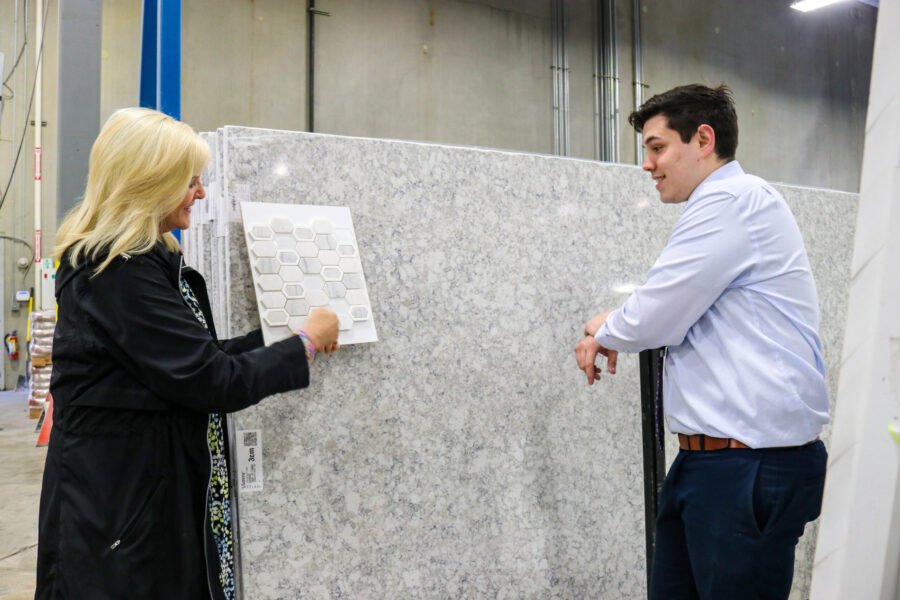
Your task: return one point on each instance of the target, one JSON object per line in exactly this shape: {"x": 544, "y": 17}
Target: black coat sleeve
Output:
{"x": 156, "y": 337}
{"x": 242, "y": 344}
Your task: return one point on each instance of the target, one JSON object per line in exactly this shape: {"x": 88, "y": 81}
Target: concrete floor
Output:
{"x": 21, "y": 468}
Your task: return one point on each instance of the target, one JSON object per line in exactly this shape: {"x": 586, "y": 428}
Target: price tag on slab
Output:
{"x": 249, "y": 460}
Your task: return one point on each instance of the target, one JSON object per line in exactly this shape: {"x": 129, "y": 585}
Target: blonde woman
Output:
{"x": 135, "y": 498}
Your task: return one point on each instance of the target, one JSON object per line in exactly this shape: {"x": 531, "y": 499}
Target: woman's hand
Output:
{"x": 322, "y": 329}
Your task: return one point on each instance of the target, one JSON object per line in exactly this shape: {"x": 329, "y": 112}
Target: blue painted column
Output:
{"x": 161, "y": 59}
{"x": 161, "y": 56}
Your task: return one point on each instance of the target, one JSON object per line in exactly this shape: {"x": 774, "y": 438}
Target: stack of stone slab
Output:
{"x": 42, "y": 325}
{"x": 462, "y": 455}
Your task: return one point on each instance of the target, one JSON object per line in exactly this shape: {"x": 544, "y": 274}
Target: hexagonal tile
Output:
{"x": 335, "y": 289}
{"x": 345, "y": 320}
{"x": 270, "y": 283}
{"x": 326, "y": 242}
{"x": 276, "y": 318}
{"x": 355, "y": 297}
{"x": 313, "y": 283}
{"x": 322, "y": 226}
{"x": 310, "y": 265}
{"x": 331, "y": 274}
{"x": 261, "y": 232}
{"x": 297, "y": 308}
{"x": 350, "y": 265}
{"x": 288, "y": 257}
{"x": 329, "y": 257}
{"x": 266, "y": 266}
{"x": 293, "y": 290}
{"x": 272, "y": 300}
{"x": 295, "y": 324}
{"x": 317, "y": 298}
{"x": 284, "y": 242}
{"x": 359, "y": 313}
{"x": 281, "y": 225}
{"x": 291, "y": 274}
{"x": 346, "y": 250}
{"x": 353, "y": 281}
{"x": 307, "y": 249}
{"x": 304, "y": 234}
{"x": 264, "y": 249}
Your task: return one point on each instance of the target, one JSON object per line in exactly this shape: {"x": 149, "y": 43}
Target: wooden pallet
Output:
{"x": 41, "y": 361}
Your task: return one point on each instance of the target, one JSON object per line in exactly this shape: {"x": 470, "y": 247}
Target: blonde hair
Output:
{"x": 140, "y": 168}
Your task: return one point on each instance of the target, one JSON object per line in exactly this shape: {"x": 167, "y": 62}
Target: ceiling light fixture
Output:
{"x": 808, "y": 5}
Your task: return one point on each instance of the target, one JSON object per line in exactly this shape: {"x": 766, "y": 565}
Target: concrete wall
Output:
{"x": 462, "y": 73}
{"x": 120, "y": 59}
{"x": 801, "y": 80}
{"x": 249, "y": 67}
{"x": 477, "y": 72}
{"x": 17, "y": 212}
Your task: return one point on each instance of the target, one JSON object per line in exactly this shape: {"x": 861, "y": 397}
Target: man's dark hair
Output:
{"x": 687, "y": 107}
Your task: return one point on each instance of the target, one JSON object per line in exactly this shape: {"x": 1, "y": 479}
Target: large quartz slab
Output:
{"x": 463, "y": 455}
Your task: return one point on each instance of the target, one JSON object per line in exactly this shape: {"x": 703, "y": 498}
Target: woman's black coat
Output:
{"x": 135, "y": 376}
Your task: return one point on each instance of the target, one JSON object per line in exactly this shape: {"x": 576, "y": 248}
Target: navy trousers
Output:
{"x": 729, "y": 522}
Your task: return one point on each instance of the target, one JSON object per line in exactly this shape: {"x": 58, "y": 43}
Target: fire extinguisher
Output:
{"x": 12, "y": 345}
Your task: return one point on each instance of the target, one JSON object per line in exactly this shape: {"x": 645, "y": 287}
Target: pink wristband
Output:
{"x": 308, "y": 346}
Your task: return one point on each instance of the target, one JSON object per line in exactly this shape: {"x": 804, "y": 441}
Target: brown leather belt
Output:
{"x": 712, "y": 444}
{"x": 707, "y": 443}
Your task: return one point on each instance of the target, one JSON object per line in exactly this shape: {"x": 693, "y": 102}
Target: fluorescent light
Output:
{"x": 808, "y": 5}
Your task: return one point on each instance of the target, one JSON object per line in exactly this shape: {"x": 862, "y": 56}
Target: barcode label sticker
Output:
{"x": 249, "y": 461}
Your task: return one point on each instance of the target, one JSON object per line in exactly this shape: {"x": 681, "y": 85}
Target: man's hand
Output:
{"x": 586, "y": 350}
{"x": 593, "y": 326}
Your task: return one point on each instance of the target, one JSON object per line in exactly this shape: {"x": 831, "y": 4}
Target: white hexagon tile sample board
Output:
{"x": 304, "y": 257}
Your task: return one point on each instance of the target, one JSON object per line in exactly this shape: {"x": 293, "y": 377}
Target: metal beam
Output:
{"x": 651, "y": 366}
{"x": 560, "y": 69}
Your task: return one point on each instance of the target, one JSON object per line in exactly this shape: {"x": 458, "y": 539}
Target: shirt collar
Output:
{"x": 730, "y": 169}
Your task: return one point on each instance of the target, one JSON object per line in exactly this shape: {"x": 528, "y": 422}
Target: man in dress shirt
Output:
{"x": 733, "y": 300}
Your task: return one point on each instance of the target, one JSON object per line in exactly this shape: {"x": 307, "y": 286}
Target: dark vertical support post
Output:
{"x": 310, "y": 65}
{"x": 654, "y": 442}
{"x": 149, "y": 22}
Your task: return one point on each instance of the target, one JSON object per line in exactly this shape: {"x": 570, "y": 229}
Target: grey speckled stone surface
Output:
{"x": 827, "y": 220}
{"x": 463, "y": 456}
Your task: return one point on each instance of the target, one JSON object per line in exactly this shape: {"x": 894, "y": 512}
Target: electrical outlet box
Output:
{"x": 48, "y": 284}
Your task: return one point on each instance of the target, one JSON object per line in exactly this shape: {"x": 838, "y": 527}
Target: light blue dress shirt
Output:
{"x": 733, "y": 298}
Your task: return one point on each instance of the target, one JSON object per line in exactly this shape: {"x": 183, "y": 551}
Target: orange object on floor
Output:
{"x": 47, "y": 424}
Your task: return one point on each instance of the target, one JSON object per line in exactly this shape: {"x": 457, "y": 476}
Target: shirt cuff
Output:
{"x": 602, "y": 336}
{"x": 605, "y": 337}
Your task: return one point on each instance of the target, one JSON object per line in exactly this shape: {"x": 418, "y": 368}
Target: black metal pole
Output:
{"x": 654, "y": 443}
{"x": 311, "y": 13}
